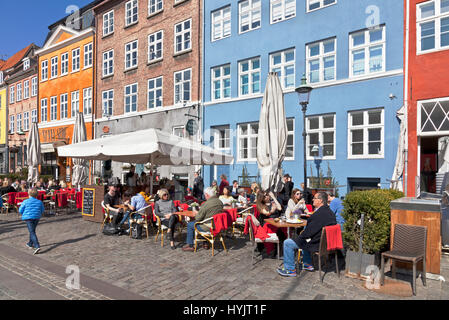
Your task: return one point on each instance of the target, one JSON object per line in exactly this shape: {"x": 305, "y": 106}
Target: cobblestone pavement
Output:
{"x": 144, "y": 268}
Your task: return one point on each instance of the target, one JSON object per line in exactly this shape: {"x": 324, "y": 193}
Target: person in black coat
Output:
{"x": 198, "y": 186}
{"x": 286, "y": 192}
{"x": 309, "y": 240}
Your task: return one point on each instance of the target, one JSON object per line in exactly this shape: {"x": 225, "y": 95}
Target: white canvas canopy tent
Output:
{"x": 146, "y": 146}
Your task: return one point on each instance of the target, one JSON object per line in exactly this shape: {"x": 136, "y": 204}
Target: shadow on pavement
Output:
{"x": 69, "y": 241}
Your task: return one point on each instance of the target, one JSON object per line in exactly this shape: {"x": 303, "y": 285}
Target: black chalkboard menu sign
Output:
{"x": 88, "y": 202}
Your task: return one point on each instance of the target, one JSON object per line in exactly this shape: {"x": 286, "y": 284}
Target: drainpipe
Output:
{"x": 407, "y": 39}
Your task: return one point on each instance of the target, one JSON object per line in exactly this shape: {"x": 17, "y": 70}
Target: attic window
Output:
{"x": 26, "y": 64}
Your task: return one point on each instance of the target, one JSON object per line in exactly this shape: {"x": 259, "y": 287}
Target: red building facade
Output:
{"x": 426, "y": 92}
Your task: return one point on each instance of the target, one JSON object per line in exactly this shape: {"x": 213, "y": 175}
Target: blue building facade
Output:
{"x": 352, "y": 55}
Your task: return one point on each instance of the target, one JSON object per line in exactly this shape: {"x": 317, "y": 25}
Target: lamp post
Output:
{"x": 304, "y": 91}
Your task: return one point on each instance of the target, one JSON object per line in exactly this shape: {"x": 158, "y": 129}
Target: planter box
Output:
{"x": 355, "y": 267}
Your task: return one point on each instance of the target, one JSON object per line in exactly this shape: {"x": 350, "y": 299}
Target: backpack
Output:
{"x": 136, "y": 231}
{"x": 109, "y": 229}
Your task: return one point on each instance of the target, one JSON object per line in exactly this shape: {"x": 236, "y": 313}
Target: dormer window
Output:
{"x": 26, "y": 64}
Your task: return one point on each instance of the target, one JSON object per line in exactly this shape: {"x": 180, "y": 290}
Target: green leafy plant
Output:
{"x": 375, "y": 204}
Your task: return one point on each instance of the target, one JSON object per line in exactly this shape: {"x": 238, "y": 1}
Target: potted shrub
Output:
{"x": 375, "y": 205}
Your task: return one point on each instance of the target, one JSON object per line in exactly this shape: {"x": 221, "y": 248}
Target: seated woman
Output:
{"x": 254, "y": 191}
{"x": 227, "y": 198}
{"x": 189, "y": 196}
{"x": 269, "y": 207}
{"x": 165, "y": 209}
{"x": 242, "y": 200}
{"x": 296, "y": 204}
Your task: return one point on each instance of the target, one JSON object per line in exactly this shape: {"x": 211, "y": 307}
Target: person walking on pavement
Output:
{"x": 31, "y": 211}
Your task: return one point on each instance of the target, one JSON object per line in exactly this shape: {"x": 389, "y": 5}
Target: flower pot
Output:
{"x": 363, "y": 268}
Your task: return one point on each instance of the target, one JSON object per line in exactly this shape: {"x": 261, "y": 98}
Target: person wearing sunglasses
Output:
{"x": 296, "y": 204}
{"x": 165, "y": 209}
{"x": 309, "y": 240}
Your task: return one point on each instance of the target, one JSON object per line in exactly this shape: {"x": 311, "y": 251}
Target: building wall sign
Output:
{"x": 54, "y": 134}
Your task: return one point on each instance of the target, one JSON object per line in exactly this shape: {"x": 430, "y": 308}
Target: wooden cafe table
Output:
{"x": 284, "y": 224}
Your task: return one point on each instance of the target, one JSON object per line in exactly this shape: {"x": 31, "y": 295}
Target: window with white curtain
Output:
{"x": 367, "y": 51}
{"x": 250, "y": 15}
{"x": 221, "y": 23}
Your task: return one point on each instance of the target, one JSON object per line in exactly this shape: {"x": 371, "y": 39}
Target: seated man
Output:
{"x": 235, "y": 189}
{"x": 134, "y": 204}
{"x": 309, "y": 240}
{"x": 111, "y": 199}
{"x": 211, "y": 207}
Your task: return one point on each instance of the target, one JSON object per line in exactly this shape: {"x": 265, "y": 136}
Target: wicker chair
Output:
{"x": 201, "y": 236}
{"x": 409, "y": 245}
{"x": 107, "y": 216}
{"x": 144, "y": 221}
{"x": 324, "y": 252}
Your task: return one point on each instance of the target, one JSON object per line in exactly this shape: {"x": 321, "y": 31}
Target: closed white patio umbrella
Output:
{"x": 80, "y": 166}
{"x": 396, "y": 181}
{"x": 33, "y": 154}
{"x": 272, "y": 137}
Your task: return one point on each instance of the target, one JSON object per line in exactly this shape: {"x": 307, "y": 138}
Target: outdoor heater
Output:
{"x": 304, "y": 91}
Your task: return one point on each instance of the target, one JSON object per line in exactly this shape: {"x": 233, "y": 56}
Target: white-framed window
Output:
{"x": 290, "y": 151}
{"x": 75, "y": 103}
{"x": 179, "y": 131}
{"x": 26, "y": 121}
{"x": 12, "y": 124}
{"x": 87, "y": 101}
{"x": 108, "y": 103}
{"x": 319, "y": 4}
{"x": 88, "y": 55}
{"x": 222, "y": 137}
{"x": 282, "y": 10}
{"x": 44, "y": 70}
{"x": 34, "y": 115}
{"x": 53, "y": 108}
{"x": 108, "y": 23}
{"x": 44, "y": 114}
{"x": 34, "y": 87}
{"x": 54, "y": 67}
{"x": 131, "y": 97}
{"x": 155, "y": 6}
{"x": 26, "y": 89}
{"x": 64, "y": 63}
{"x": 183, "y": 85}
{"x": 283, "y": 62}
{"x": 221, "y": 82}
{"x": 132, "y": 12}
{"x": 366, "y": 134}
{"x": 26, "y": 64}
{"x": 250, "y": 15}
{"x": 247, "y": 141}
{"x": 155, "y": 91}
{"x": 131, "y": 55}
{"x": 19, "y": 92}
{"x": 12, "y": 94}
{"x": 321, "y": 136}
{"x": 183, "y": 34}
{"x": 221, "y": 23}
{"x": 321, "y": 59}
{"x": 19, "y": 122}
{"x": 433, "y": 117}
{"x": 432, "y": 25}
{"x": 156, "y": 46}
{"x": 76, "y": 60}
{"x": 249, "y": 77}
{"x": 64, "y": 103}
{"x": 367, "y": 51}
{"x": 108, "y": 63}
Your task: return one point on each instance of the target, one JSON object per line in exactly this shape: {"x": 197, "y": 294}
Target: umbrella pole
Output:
{"x": 152, "y": 173}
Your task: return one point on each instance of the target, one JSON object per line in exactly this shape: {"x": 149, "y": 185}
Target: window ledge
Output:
{"x": 131, "y": 25}
{"x": 151, "y": 15}
{"x": 179, "y": 2}
{"x": 130, "y": 69}
{"x": 107, "y": 36}
{"x": 181, "y": 53}
{"x": 150, "y": 63}
{"x": 107, "y": 77}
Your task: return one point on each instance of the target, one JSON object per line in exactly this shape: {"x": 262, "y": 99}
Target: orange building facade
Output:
{"x": 426, "y": 93}
{"x": 66, "y": 85}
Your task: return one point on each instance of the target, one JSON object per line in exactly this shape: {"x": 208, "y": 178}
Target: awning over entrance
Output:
{"x": 51, "y": 147}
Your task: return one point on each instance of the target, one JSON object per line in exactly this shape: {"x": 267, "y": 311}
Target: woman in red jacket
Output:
{"x": 224, "y": 183}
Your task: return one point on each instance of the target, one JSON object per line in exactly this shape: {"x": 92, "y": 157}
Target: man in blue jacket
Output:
{"x": 31, "y": 211}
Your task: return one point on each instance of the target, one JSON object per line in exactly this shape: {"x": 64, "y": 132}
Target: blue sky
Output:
{"x": 26, "y": 21}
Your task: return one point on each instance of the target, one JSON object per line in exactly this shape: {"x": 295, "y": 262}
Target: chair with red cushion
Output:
{"x": 220, "y": 223}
